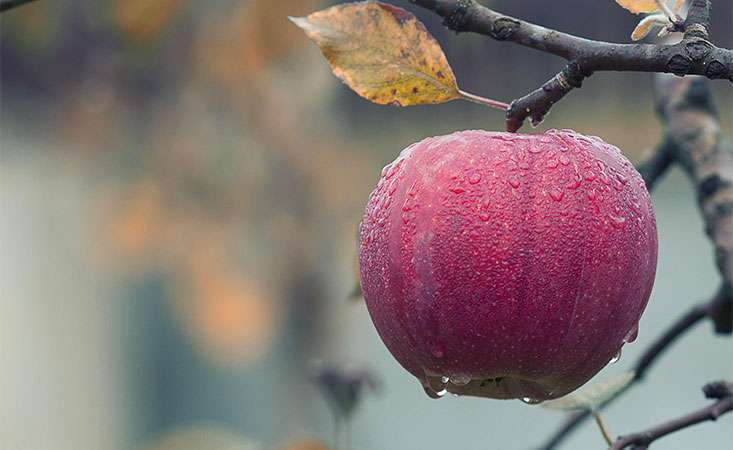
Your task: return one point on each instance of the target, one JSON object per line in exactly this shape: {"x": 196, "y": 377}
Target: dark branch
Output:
{"x": 656, "y": 163}
{"x": 695, "y": 54}
{"x": 705, "y": 154}
{"x": 538, "y": 103}
{"x": 698, "y": 19}
{"x": 9, "y": 4}
{"x": 722, "y": 391}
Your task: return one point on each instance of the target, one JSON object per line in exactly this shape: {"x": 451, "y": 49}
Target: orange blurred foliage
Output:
{"x": 136, "y": 221}
{"x": 306, "y": 444}
{"x": 241, "y": 45}
{"x": 201, "y": 436}
{"x": 231, "y": 318}
{"x": 144, "y": 20}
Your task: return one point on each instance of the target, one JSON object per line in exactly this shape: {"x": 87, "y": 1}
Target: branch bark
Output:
{"x": 9, "y": 4}
{"x": 705, "y": 154}
{"x": 695, "y": 54}
{"x": 722, "y": 391}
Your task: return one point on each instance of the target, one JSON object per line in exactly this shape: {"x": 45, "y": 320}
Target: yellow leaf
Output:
{"x": 382, "y": 52}
{"x": 639, "y": 6}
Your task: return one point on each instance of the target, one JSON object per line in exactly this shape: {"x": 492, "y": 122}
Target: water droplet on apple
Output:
{"x": 632, "y": 334}
{"x": 616, "y": 357}
{"x": 531, "y": 401}
{"x": 437, "y": 351}
{"x": 513, "y": 182}
{"x": 474, "y": 178}
{"x": 556, "y": 194}
{"x": 574, "y": 184}
{"x": 460, "y": 379}
{"x": 433, "y": 393}
{"x": 617, "y": 221}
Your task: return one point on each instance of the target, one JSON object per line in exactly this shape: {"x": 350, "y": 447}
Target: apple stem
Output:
{"x": 602, "y": 426}
{"x": 483, "y": 101}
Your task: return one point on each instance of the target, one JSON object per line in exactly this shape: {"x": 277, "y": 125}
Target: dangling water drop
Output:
{"x": 445, "y": 379}
{"x": 632, "y": 334}
{"x": 531, "y": 401}
{"x": 616, "y": 357}
{"x": 556, "y": 194}
{"x": 433, "y": 393}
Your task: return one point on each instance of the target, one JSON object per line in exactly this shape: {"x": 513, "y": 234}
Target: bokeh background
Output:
{"x": 181, "y": 183}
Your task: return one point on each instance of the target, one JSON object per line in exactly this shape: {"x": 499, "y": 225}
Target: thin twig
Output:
{"x": 483, "y": 101}
{"x": 695, "y": 54}
{"x": 643, "y": 439}
{"x": 9, "y": 4}
{"x": 602, "y": 426}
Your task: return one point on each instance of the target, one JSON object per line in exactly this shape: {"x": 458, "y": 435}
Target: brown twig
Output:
{"x": 9, "y": 4}
{"x": 722, "y": 391}
{"x": 695, "y": 54}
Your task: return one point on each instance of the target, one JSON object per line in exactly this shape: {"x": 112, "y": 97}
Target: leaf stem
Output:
{"x": 483, "y": 101}
{"x": 602, "y": 426}
{"x": 671, "y": 15}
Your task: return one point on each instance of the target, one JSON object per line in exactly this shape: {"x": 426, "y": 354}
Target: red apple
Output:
{"x": 507, "y": 265}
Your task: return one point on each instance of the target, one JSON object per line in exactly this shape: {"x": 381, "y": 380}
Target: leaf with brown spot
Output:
{"x": 383, "y": 53}
{"x": 639, "y": 6}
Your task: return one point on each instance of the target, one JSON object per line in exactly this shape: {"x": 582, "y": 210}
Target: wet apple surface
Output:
{"x": 507, "y": 265}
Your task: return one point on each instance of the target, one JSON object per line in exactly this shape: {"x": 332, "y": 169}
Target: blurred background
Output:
{"x": 181, "y": 183}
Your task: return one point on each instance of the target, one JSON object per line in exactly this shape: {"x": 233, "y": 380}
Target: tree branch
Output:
{"x": 9, "y": 4}
{"x": 656, "y": 163}
{"x": 705, "y": 154}
{"x": 695, "y": 54}
{"x": 722, "y": 391}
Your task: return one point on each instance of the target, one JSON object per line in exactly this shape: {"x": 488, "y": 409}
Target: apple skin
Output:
{"x": 507, "y": 265}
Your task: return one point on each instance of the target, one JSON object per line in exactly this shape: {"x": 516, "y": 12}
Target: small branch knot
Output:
{"x": 698, "y": 49}
{"x": 574, "y": 74}
{"x": 716, "y": 70}
{"x": 696, "y": 30}
{"x": 718, "y": 389}
{"x": 458, "y": 18}
{"x": 679, "y": 65}
{"x": 503, "y": 28}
